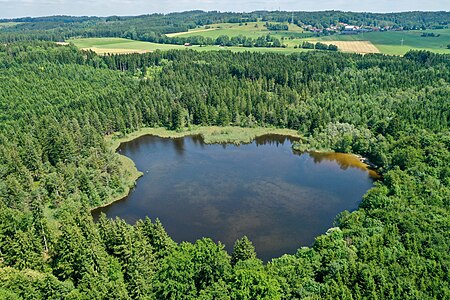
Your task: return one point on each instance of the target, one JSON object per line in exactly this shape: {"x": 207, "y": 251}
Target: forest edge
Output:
{"x": 211, "y": 135}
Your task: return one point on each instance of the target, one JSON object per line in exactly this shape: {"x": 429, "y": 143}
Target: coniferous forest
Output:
{"x": 154, "y": 27}
{"x": 58, "y": 103}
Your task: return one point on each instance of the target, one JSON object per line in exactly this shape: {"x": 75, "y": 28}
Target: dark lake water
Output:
{"x": 280, "y": 199}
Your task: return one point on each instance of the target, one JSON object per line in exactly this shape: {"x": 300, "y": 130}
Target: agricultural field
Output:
{"x": 391, "y": 42}
{"x": 250, "y": 29}
{"x": 8, "y": 24}
{"x": 119, "y": 45}
{"x": 372, "y": 42}
{"x": 345, "y": 195}
{"x": 363, "y": 47}
{"x": 123, "y": 46}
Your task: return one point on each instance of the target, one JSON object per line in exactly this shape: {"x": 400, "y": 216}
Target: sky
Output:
{"x": 33, "y": 8}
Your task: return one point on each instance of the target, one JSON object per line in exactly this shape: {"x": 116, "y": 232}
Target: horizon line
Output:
{"x": 219, "y": 11}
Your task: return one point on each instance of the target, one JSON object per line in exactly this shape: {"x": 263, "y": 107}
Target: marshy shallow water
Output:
{"x": 279, "y": 198}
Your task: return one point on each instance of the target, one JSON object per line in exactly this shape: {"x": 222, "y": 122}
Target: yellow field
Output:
{"x": 119, "y": 46}
{"x": 104, "y": 46}
{"x": 362, "y": 47}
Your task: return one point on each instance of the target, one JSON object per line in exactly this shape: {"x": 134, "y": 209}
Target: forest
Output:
{"x": 154, "y": 27}
{"x": 58, "y": 103}
{"x": 225, "y": 40}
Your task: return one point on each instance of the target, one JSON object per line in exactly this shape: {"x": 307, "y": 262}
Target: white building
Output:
{"x": 350, "y": 27}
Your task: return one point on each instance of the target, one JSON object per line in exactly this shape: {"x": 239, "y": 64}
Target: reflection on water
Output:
{"x": 344, "y": 160}
{"x": 274, "y": 139}
{"x": 178, "y": 145}
{"x": 280, "y": 199}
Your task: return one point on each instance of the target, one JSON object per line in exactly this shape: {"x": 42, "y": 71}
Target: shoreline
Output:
{"x": 129, "y": 166}
{"x": 370, "y": 166}
{"x": 210, "y": 134}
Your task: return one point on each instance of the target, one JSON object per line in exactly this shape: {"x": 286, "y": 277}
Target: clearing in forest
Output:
{"x": 249, "y": 29}
{"x": 119, "y": 45}
{"x": 123, "y": 46}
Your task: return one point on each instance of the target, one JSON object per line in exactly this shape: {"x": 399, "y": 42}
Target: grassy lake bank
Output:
{"x": 214, "y": 135}
{"x": 210, "y": 134}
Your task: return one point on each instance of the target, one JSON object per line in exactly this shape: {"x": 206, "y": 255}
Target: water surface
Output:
{"x": 280, "y": 199}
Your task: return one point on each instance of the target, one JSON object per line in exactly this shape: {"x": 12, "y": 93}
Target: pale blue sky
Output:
{"x": 20, "y": 8}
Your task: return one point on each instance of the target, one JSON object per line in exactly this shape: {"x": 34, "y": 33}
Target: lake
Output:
{"x": 279, "y": 198}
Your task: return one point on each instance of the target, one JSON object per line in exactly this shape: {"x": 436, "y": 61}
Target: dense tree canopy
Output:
{"x": 154, "y": 27}
{"x": 57, "y": 104}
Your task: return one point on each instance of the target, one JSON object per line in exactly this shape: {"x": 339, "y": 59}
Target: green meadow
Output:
{"x": 116, "y": 44}
{"x": 250, "y": 29}
{"x": 8, "y": 24}
{"x": 386, "y": 42}
{"x": 120, "y": 45}
{"x": 390, "y": 42}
